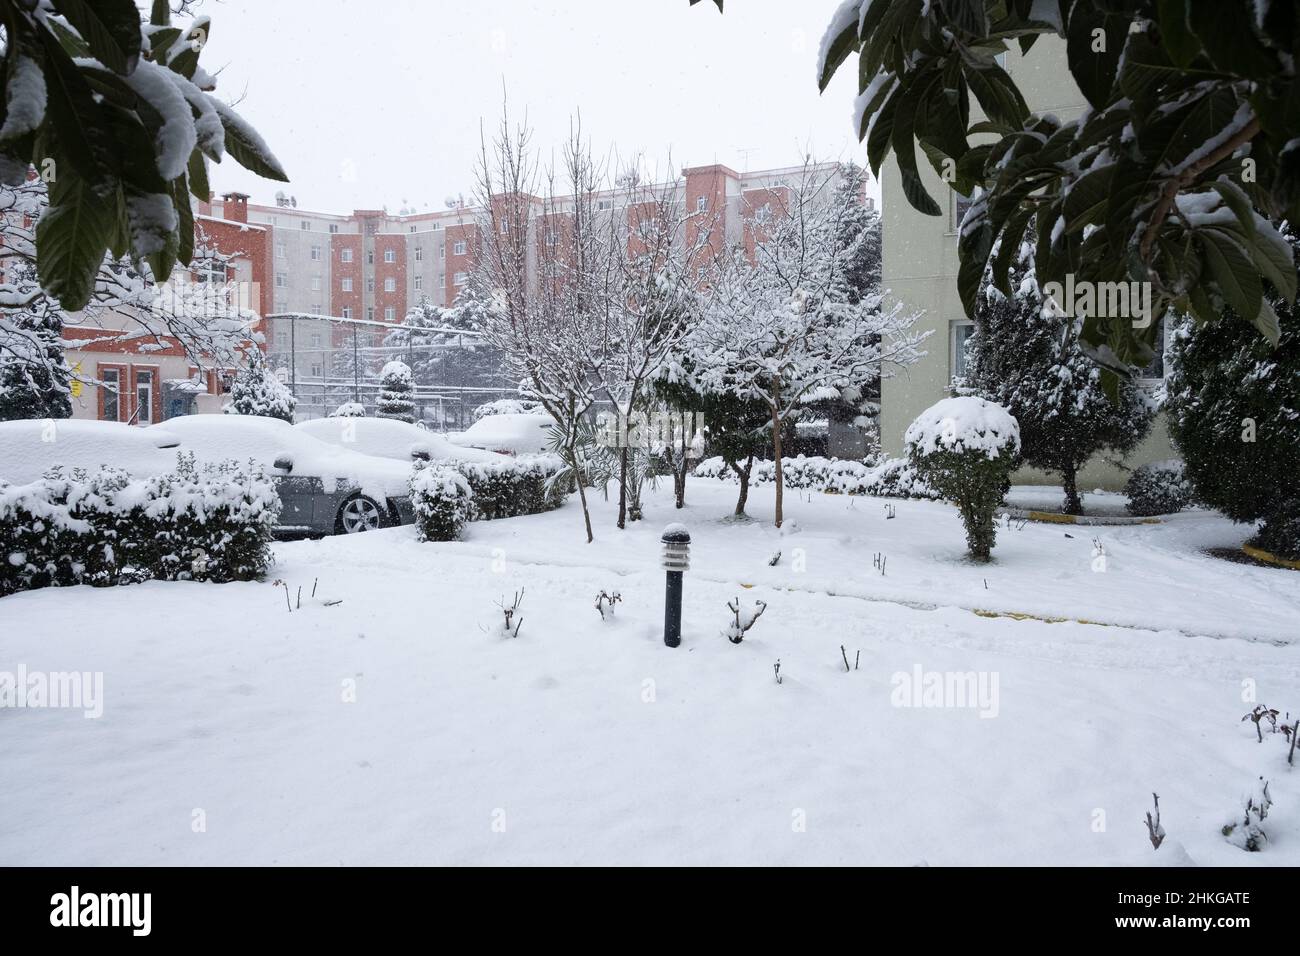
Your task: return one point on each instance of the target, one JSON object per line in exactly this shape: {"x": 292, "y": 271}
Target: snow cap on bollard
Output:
{"x": 677, "y": 548}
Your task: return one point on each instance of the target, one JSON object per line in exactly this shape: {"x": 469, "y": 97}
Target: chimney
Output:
{"x": 234, "y": 206}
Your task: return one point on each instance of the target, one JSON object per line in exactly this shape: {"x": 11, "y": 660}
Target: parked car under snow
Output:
{"x": 509, "y": 434}
{"x": 390, "y": 438}
{"x": 324, "y": 488}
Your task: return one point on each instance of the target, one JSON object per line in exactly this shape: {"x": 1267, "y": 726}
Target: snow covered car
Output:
{"x": 508, "y": 434}
{"x": 390, "y": 438}
{"x": 31, "y": 447}
{"x": 324, "y": 488}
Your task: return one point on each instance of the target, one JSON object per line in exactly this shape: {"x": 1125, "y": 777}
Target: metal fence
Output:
{"x": 328, "y": 360}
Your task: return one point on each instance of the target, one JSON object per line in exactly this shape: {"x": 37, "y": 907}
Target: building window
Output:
{"x": 304, "y": 225}
{"x": 370, "y": 283}
{"x": 390, "y": 284}
{"x": 315, "y": 253}
{"x": 702, "y": 204}
{"x": 435, "y": 226}
{"x": 412, "y": 229}
{"x": 279, "y": 250}
{"x": 390, "y": 314}
{"x": 419, "y": 283}
{"x": 505, "y": 228}
{"x": 390, "y": 255}
{"x": 317, "y": 370}
{"x": 419, "y": 253}
{"x": 960, "y": 204}
{"x": 961, "y": 333}
{"x": 112, "y": 393}
{"x": 346, "y": 255}
{"x": 315, "y": 340}
{"x": 315, "y": 309}
{"x": 460, "y": 278}
{"x": 442, "y": 252}
{"x": 210, "y": 269}
{"x": 281, "y": 339}
{"x": 347, "y": 285}
{"x": 144, "y": 398}
{"x": 347, "y": 312}
{"x": 370, "y": 257}
{"x": 315, "y": 283}
{"x": 370, "y": 313}
{"x": 281, "y": 280}
{"x": 334, "y": 227}
{"x": 458, "y": 249}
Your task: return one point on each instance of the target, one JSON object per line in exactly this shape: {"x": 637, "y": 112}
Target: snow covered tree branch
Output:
{"x": 784, "y": 329}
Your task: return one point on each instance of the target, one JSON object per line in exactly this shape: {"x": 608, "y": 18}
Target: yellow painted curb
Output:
{"x": 1259, "y": 554}
{"x": 1021, "y": 616}
{"x": 1052, "y": 517}
{"x": 1055, "y": 517}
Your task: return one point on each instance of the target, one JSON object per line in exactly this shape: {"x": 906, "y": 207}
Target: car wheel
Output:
{"x": 359, "y": 514}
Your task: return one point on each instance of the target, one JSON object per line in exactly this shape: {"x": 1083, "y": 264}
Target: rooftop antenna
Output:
{"x": 744, "y": 156}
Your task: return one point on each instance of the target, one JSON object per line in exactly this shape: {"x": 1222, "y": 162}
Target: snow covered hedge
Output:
{"x": 442, "y": 500}
{"x": 1158, "y": 488}
{"x": 966, "y": 448}
{"x": 893, "y": 478}
{"x": 514, "y": 486}
{"x": 210, "y": 523}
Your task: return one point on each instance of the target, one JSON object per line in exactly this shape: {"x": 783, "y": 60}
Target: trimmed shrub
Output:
{"x": 442, "y": 500}
{"x": 212, "y": 522}
{"x": 1281, "y": 534}
{"x": 1234, "y": 415}
{"x": 514, "y": 486}
{"x": 965, "y": 449}
{"x": 1158, "y": 488}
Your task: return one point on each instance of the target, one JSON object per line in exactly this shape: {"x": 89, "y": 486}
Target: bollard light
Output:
{"x": 676, "y": 559}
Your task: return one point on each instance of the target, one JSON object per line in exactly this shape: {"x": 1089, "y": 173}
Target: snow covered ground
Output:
{"x": 400, "y": 726}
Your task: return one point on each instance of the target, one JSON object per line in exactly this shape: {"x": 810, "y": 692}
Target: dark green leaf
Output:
{"x": 71, "y": 237}
{"x": 1232, "y": 270}
{"x": 111, "y": 28}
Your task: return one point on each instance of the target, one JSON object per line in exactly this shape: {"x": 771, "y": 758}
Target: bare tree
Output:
{"x": 546, "y": 266}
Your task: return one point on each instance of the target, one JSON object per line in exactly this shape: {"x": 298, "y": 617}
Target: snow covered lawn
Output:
{"x": 590, "y": 742}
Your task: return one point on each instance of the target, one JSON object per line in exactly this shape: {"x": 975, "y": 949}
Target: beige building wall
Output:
{"x": 920, "y": 270}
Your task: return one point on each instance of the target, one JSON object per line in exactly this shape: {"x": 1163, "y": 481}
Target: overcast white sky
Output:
{"x": 379, "y": 103}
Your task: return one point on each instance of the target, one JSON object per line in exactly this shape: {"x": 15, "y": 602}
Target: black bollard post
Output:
{"x": 676, "y": 559}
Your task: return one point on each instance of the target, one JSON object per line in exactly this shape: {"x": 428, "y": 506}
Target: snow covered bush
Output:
{"x": 897, "y": 478}
{"x": 507, "y": 406}
{"x": 256, "y": 391}
{"x": 442, "y": 500}
{"x": 349, "y": 410}
{"x": 1158, "y": 488}
{"x": 396, "y": 386}
{"x": 893, "y": 478}
{"x": 214, "y": 521}
{"x": 1233, "y": 402}
{"x": 514, "y": 486}
{"x": 210, "y": 522}
{"x": 965, "y": 449}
